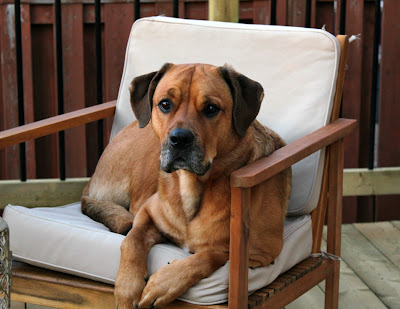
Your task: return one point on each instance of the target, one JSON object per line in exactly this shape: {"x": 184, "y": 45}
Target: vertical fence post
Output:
{"x": 308, "y": 14}
{"x": 137, "y": 9}
{"x": 175, "y": 4}
{"x": 99, "y": 74}
{"x": 60, "y": 85}
{"x": 387, "y": 207}
{"x": 340, "y": 17}
{"x": 374, "y": 86}
{"x": 273, "y": 12}
{"x": 20, "y": 86}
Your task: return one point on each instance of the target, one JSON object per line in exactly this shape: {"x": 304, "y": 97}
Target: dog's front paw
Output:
{"x": 162, "y": 288}
{"x": 128, "y": 290}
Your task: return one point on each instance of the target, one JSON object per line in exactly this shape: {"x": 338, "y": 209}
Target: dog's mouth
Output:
{"x": 180, "y": 161}
{"x": 191, "y": 160}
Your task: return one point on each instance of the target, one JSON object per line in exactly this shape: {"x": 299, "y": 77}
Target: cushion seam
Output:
{"x": 13, "y": 207}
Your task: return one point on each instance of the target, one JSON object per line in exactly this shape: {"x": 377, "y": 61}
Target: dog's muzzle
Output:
{"x": 181, "y": 151}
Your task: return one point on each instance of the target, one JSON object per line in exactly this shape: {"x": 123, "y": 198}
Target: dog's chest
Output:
{"x": 208, "y": 229}
{"x": 191, "y": 193}
{"x": 200, "y": 220}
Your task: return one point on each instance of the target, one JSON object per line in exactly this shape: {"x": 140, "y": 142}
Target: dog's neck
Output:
{"x": 191, "y": 190}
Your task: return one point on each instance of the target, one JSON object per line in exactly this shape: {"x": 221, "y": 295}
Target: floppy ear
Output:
{"x": 142, "y": 90}
{"x": 247, "y": 95}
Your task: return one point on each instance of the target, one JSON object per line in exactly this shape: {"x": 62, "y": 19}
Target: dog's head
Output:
{"x": 197, "y": 111}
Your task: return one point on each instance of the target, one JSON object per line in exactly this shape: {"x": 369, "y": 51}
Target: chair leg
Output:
{"x": 334, "y": 222}
{"x": 332, "y": 287}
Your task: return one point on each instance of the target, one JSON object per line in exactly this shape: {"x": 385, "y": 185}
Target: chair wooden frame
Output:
{"x": 44, "y": 287}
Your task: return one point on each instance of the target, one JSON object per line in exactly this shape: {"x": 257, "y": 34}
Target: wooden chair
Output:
{"x": 40, "y": 286}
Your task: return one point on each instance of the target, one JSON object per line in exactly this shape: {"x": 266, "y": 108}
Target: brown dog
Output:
{"x": 173, "y": 175}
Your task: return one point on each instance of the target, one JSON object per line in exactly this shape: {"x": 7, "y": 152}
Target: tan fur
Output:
{"x": 190, "y": 210}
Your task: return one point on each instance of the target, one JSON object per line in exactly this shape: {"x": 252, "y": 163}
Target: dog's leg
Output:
{"x": 133, "y": 264}
{"x": 114, "y": 216}
{"x": 174, "y": 279}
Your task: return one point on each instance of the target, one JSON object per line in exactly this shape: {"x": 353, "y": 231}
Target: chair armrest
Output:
{"x": 246, "y": 177}
{"x": 264, "y": 168}
{"x": 55, "y": 124}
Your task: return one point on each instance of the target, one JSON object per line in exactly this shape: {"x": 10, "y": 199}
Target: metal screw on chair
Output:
{"x": 5, "y": 265}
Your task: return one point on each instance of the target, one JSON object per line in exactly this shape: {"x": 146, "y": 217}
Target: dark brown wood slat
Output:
{"x": 267, "y": 291}
{"x": 296, "y": 13}
{"x": 281, "y": 12}
{"x": 9, "y": 106}
{"x": 353, "y": 100}
{"x": 262, "y": 295}
{"x": 312, "y": 261}
{"x": 44, "y": 95}
{"x": 281, "y": 283}
{"x": 251, "y": 304}
{"x": 74, "y": 87}
{"x": 116, "y": 34}
{"x": 258, "y": 299}
{"x": 295, "y": 273}
{"x": 284, "y": 280}
{"x": 389, "y": 107}
{"x": 303, "y": 268}
{"x": 261, "y": 13}
{"x": 277, "y": 286}
{"x": 352, "y": 89}
{"x": 28, "y": 86}
{"x": 56, "y": 124}
{"x": 289, "y": 278}
{"x": 366, "y": 207}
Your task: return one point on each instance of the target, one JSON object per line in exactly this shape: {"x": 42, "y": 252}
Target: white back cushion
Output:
{"x": 296, "y": 66}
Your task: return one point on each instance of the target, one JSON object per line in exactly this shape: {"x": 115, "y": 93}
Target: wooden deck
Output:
{"x": 370, "y": 270}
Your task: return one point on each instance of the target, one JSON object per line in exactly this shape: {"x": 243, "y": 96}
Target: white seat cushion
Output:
{"x": 63, "y": 239}
{"x": 296, "y": 66}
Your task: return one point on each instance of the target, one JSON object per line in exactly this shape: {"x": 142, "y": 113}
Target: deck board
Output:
{"x": 375, "y": 269}
{"x": 353, "y": 292}
{"x": 396, "y": 224}
{"x": 313, "y": 299}
{"x": 385, "y": 237}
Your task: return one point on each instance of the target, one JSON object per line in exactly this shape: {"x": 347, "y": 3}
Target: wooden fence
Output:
{"x": 39, "y": 66}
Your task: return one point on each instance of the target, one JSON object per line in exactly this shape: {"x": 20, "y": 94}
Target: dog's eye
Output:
{"x": 211, "y": 110}
{"x": 165, "y": 106}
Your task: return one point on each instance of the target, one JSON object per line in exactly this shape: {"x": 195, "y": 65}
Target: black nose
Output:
{"x": 181, "y": 138}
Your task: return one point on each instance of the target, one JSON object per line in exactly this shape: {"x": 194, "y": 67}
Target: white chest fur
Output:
{"x": 191, "y": 191}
